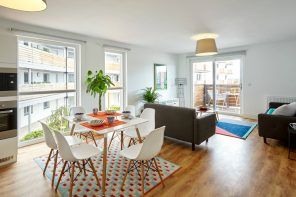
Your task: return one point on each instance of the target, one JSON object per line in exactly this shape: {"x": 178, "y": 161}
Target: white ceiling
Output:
{"x": 168, "y": 24}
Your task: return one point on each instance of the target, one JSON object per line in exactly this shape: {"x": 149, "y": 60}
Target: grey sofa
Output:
{"x": 181, "y": 123}
{"x": 274, "y": 126}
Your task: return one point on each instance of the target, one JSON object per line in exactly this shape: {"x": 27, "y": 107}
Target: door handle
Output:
{"x": 6, "y": 112}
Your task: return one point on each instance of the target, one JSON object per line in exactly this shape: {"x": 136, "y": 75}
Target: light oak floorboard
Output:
{"x": 224, "y": 167}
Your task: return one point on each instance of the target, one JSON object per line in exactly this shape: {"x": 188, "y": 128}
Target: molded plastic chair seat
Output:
{"x": 72, "y": 140}
{"x": 79, "y": 130}
{"x": 131, "y": 152}
{"x": 145, "y": 128}
{"x": 115, "y": 134}
{"x": 133, "y": 134}
{"x": 74, "y": 155}
{"x": 84, "y": 151}
{"x": 51, "y": 143}
{"x": 143, "y": 155}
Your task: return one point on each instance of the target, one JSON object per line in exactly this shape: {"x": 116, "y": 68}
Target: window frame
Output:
{"x": 124, "y": 74}
{"x": 78, "y": 46}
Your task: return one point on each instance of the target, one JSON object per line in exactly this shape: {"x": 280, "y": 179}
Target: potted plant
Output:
{"x": 98, "y": 83}
{"x": 150, "y": 95}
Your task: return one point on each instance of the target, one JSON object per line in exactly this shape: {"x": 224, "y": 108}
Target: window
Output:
{"x": 115, "y": 68}
{"x": 26, "y": 77}
{"x": 44, "y": 92}
{"x": 26, "y": 110}
{"x": 45, "y": 78}
{"x": 46, "y": 105}
{"x": 71, "y": 78}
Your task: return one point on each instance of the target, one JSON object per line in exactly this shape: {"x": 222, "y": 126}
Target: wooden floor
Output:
{"x": 224, "y": 167}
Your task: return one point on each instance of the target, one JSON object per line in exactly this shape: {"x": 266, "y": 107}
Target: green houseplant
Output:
{"x": 150, "y": 95}
{"x": 98, "y": 83}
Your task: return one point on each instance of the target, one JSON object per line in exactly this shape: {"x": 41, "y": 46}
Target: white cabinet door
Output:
{"x": 8, "y": 50}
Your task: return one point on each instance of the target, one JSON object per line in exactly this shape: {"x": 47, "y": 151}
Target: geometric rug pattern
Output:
{"x": 116, "y": 167}
{"x": 235, "y": 128}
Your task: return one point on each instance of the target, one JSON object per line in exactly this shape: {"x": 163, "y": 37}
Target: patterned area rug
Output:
{"x": 86, "y": 185}
{"x": 235, "y": 128}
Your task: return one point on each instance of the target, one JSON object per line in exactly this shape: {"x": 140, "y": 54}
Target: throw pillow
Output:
{"x": 284, "y": 110}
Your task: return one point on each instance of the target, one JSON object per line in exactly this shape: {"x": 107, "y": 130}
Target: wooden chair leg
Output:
{"x": 130, "y": 142}
{"x": 54, "y": 168}
{"x": 72, "y": 179}
{"x": 94, "y": 171}
{"x": 142, "y": 177}
{"x": 264, "y": 140}
{"x": 121, "y": 140}
{"x": 62, "y": 172}
{"x": 93, "y": 138}
{"x": 111, "y": 140}
{"x": 158, "y": 171}
{"x": 48, "y": 159}
{"x": 83, "y": 166}
{"x": 124, "y": 178}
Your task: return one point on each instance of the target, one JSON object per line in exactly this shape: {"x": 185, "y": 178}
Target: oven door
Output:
{"x": 8, "y": 123}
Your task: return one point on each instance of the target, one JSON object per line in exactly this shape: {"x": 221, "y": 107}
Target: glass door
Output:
{"x": 216, "y": 84}
{"x": 228, "y": 85}
{"x": 203, "y": 84}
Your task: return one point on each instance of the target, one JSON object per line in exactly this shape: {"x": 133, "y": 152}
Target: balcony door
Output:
{"x": 216, "y": 83}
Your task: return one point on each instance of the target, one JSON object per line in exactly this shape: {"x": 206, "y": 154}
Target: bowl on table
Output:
{"x": 110, "y": 119}
{"x": 126, "y": 114}
{"x": 78, "y": 116}
{"x": 110, "y": 112}
{"x": 96, "y": 122}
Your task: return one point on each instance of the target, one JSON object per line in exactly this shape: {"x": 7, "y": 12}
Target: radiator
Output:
{"x": 280, "y": 99}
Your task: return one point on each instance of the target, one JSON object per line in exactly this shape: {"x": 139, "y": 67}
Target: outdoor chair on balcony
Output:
{"x": 219, "y": 97}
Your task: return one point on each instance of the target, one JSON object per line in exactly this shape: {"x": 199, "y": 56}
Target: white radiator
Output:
{"x": 280, "y": 99}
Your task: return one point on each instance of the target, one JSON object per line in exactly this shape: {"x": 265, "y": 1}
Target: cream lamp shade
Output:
{"x": 206, "y": 47}
{"x": 205, "y": 44}
{"x": 24, "y": 5}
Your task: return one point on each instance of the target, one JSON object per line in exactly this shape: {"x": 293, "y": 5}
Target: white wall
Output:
{"x": 140, "y": 60}
{"x": 269, "y": 70}
{"x": 141, "y": 74}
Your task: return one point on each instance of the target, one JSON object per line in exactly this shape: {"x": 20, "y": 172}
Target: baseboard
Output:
{"x": 250, "y": 116}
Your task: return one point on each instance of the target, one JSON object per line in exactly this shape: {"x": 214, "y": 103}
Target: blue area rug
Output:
{"x": 235, "y": 128}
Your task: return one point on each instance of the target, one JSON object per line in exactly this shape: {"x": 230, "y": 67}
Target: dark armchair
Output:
{"x": 274, "y": 126}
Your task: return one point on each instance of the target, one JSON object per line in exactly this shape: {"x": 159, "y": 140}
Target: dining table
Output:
{"x": 125, "y": 123}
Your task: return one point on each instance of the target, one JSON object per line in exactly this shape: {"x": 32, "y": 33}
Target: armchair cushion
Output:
{"x": 286, "y": 110}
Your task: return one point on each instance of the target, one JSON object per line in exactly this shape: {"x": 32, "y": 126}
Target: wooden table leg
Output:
{"x": 104, "y": 164}
{"x": 138, "y": 134}
{"x": 121, "y": 140}
{"x": 72, "y": 129}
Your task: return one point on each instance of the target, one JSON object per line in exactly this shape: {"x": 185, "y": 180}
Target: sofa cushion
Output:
{"x": 270, "y": 111}
{"x": 285, "y": 110}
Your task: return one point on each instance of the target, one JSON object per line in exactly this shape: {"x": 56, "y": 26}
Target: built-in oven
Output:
{"x": 8, "y": 119}
{"x": 8, "y": 82}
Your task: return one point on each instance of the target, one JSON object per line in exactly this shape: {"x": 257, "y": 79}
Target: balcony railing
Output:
{"x": 39, "y": 57}
{"x": 46, "y": 87}
{"x": 227, "y": 97}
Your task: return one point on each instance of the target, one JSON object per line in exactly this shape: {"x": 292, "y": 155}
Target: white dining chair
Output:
{"x": 144, "y": 129}
{"x": 144, "y": 155}
{"x": 73, "y": 155}
{"x": 79, "y": 130}
{"x": 51, "y": 143}
{"x": 119, "y": 134}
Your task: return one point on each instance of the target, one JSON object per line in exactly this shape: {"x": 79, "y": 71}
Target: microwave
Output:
{"x": 8, "y": 81}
